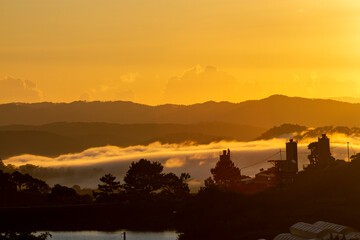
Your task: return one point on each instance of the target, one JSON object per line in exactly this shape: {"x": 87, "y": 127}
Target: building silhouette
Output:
{"x": 225, "y": 156}
{"x": 320, "y": 155}
{"x": 283, "y": 171}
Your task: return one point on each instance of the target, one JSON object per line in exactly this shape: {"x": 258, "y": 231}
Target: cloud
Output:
{"x": 85, "y": 168}
{"x": 316, "y": 85}
{"x": 174, "y": 162}
{"x": 121, "y": 89}
{"x": 194, "y": 85}
{"x": 19, "y": 90}
{"x": 176, "y": 155}
{"x": 204, "y": 84}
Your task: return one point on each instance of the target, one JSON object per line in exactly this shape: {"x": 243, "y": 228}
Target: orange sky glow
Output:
{"x": 178, "y": 51}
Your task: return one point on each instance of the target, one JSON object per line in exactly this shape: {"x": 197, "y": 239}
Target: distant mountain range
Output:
{"x": 60, "y": 138}
{"x": 51, "y": 129}
{"x": 264, "y": 113}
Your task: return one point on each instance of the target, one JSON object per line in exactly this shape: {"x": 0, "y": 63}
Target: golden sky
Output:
{"x": 178, "y": 51}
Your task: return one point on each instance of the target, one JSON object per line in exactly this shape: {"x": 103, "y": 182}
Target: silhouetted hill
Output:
{"x": 59, "y": 138}
{"x": 282, "y": 131}
{"x": 301, "y": 132}
{"x": 268, "y": 112}
{"x": 285, "y": 130}
{"x": 36, "y": 142}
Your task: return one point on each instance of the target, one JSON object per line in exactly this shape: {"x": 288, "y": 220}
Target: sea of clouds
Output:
{"x": 85, "y": 168}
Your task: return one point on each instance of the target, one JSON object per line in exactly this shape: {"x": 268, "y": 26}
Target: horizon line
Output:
{"x": 337, "y": 99}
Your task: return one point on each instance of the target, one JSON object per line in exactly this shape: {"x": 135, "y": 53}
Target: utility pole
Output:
{"x": 280, "y": 155}
{"x": 348, "y": 151}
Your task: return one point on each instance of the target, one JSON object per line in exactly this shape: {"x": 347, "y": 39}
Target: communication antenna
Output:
{"x": 348, "y": 152}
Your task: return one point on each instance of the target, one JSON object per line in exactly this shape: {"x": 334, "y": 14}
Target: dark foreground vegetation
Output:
{"x": 147, "y": 200}
{"x": 24, "y": 236}
{"x": 152, "y": 200}
{"x": 331, "y": 195}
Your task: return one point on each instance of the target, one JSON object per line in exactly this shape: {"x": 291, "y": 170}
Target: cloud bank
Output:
{"x": 87, "y": 167}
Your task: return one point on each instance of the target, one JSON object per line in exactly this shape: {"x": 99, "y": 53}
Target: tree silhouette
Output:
{"x": 37, "y": 186}
{"x": 6, "y": 168}
{"x": 144, "y": 177}
{"x": 226, "y": 175}
{"x": 2, "y": 165}
{"x": 110, "y": 186}
{"x": 355, "y": 159}
{"x": 24, "y": 236}
{"x": 209, "y": 182}
{"x": 25, "y": 182}
{"x": 19, "y": 180}
{"x": 110, "y": 190}
{"x": 62, "y": 194}
{"x": 176, "y": 186}
{"x": 6, "y": 183}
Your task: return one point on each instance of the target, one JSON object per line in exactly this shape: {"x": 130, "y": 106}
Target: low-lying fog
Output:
{"x": 85, "y": 168}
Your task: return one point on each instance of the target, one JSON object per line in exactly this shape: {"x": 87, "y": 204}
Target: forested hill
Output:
{"x": 301, "y": 132}
{"x": 266, "y": 113}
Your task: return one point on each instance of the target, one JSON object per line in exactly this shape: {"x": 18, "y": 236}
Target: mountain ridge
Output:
{"x": 266, "y": 113}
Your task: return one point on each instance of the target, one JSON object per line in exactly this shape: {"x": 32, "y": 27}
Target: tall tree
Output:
{"x": 25, "y": 182}
{"x": 144, "y": 177}
{"x": 19, "y": 179}
{"x": 109, "y": 186}
{"x": 6, "y": 183}
{"x": 37, "y": 186}
{"x": 176, "y": 186}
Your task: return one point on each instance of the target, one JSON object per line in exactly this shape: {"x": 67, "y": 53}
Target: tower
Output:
{"x": 225, "y": 156}
{"x": 292, "y": 155}
{"x": 320, "y": 156}
{"x": 324, "y": 150}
